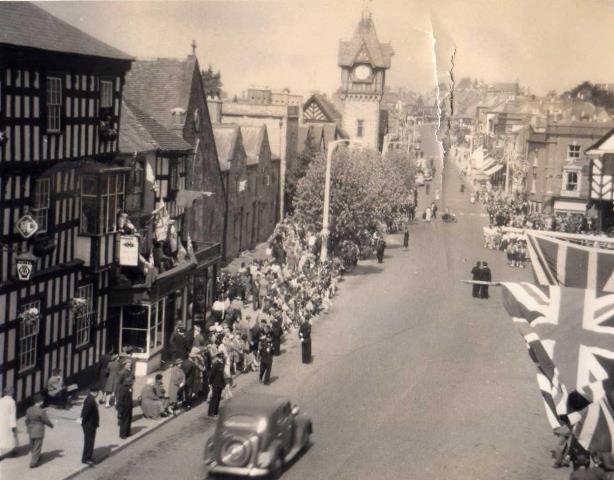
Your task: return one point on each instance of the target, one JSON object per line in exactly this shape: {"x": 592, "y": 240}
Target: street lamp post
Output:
{"x": 332, "y": 146}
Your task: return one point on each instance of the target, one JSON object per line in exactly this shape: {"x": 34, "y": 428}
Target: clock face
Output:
{"x": 362, "y": 72}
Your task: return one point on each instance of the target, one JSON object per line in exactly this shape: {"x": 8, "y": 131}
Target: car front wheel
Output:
{"x": 278, "y": 466}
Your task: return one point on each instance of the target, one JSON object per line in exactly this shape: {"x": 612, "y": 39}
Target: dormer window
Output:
{"x": 178, "y": 115}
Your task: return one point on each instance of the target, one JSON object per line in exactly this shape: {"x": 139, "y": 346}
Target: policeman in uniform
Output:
{"x": 266, "y": 359}
{"x": 304, "y": 334}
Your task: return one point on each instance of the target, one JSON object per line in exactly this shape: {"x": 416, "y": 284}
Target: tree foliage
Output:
{"x": 368, "y": 193}
{"x": 212, "y": 82}
{"x": 297, "y": 171}
{"x": 595, "y": 94}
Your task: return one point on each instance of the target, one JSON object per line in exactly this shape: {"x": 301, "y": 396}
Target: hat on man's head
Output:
{"x": 37, "y": 398}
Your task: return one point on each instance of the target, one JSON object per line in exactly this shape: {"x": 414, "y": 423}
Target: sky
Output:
{"x": 543, "y": 44}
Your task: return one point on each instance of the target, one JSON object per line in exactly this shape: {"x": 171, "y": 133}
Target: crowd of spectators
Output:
{"x": 285, "y": 290}
{"x": 510, "y": 212}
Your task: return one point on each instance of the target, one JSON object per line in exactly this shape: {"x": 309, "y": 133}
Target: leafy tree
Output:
{"x": 367, "y": 193}
{"x": 600, "y": 97}
{"x": 212, "y": 82}
{"x": 298, "y": 171}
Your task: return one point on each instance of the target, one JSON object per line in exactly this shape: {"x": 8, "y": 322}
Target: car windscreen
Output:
{"x": 242, "y": 421}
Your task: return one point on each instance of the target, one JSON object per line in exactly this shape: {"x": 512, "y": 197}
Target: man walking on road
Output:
{"x": 90, "y": 421}
{"x": 476, "y": 273}
{"x": 217, "y": 382}
{"x": 36, "y": 419}
{"x": 304, "y": 333}
{"x": 406, "y": 238}
{"x": 485, "y": 276}
{"x": 266, "y": 359}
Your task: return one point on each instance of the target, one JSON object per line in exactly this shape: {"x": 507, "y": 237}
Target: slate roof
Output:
{"x": 141, "y": 133}
{"x": 253, "y": 138}
{"x": 159, "y": 86}
{"x": 379, "y": 53}
{"x": 226, "y": 137}
{"x": 27, "y": 25}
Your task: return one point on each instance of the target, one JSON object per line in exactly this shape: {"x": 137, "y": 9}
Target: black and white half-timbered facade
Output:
{"x": 61, "y": 192}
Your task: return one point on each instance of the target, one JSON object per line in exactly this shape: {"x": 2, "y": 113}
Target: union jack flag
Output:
{"x": 557, "y": 261}
{"x": 570, "y": 336}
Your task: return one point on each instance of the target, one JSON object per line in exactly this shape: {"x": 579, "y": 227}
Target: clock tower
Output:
{"x": 363, "y": 62}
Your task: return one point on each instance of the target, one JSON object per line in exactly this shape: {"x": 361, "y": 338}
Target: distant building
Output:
{"x": 558, "y": 174}
{"x": 282, "y": 124}
{"x": 601, "y": 184}
{"x": 363, "y": 61}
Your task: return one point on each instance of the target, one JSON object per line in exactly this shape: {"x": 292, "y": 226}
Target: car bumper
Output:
{"x": 241, "y": 471}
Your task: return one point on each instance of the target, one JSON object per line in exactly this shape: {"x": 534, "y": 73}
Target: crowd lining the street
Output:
{"x": 286, "y": 291}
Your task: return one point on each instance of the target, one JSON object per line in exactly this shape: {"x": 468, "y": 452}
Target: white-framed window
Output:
{"x": 571, "y": 181}
{"x": 42, "y": 190}
{"x": 83, "y": 319}
{"x": 28, "y": 337}
{"x": 54, "y": 104}
{"x": 360, "y": 124}
{"x": 573, "y": 152}
{"x": 142, "y": 327}
{"x": 106, "y": 94}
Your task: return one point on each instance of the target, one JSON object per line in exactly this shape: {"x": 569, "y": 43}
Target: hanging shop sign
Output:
{"x": 26, "y": 226}
{"x": 25, "y": 263}
{"x": 128, "y": 248}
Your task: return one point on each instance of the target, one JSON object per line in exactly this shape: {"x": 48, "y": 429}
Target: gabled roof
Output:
{"x": 253, "y": 138}
{"x": 160, "y": 86}
{"x": 365, "y": 41}
{"x": 141, "y": 133}
{"x": 27, "y": 25}
{"x": 320, "y": 106}
{"x": 602, "y": 145}
{"x": 226, "y": 137}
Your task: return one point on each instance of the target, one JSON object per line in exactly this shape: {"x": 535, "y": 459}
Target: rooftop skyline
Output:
{"x": 545, "y": 45}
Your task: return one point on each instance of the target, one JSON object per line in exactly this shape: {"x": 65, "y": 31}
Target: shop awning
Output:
{"x": 570, "y": 206}
{"x": 493, "y": 169}
{"x": 488, "y": 163}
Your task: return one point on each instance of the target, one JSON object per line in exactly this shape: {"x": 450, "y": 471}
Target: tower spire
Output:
{"x": 193, "y": 47}
{"x": 366, "y": 10}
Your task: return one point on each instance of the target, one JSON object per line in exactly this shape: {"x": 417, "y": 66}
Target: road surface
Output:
{"x": 412, "y": 378}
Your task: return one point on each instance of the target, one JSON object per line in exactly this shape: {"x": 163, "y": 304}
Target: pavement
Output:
{"x": 411, "y": 376}
{"x": 62, "y": 460}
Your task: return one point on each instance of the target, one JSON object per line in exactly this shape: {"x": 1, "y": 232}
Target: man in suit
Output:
{"x": 266, "y": 359}
{"x": 217, "y": 382}
{"x": 90, "y": 421}
{"x": 124, "y": 407}
{"x": 276, "y": 333}
{"x": 36, "y": 419}
{"x": 475, "y": 275}
{"x": 304, "y": 334}
{"x": 486, "y": 276}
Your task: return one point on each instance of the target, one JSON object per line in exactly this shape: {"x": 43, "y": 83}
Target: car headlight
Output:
{"x": 261, "y": 427}
{"x": 264, "y": 459}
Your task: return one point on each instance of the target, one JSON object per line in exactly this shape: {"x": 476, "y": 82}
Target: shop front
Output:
{"x": 147, "y": 315}
{"x": 145, "y": 328}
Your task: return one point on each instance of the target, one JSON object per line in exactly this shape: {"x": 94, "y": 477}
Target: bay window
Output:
{"x": 143, "y": 327}
{"x": 102, "y": 198}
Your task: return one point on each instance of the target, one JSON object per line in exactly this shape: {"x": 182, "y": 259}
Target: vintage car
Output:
{"x": 256, "y": 436}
